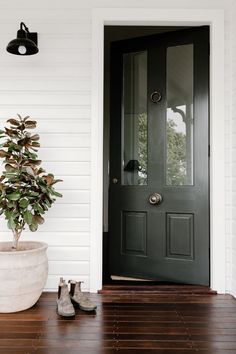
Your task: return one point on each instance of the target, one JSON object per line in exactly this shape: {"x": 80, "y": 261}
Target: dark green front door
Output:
{"x": 159, "y": 192}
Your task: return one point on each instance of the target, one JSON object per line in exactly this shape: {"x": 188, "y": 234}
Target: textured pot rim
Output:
{"x": 41, "y": 246}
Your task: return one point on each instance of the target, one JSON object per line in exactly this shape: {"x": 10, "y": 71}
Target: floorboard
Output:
{"x": 136, "y": 323}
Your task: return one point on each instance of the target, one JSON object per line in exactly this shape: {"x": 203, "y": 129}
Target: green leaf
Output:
{"x": 38, "y": 207}
{"x": 30, "y": 154}
{"x": 13, "y": 196}
{"x": 41, "y": 181}
{"x": 14, "y": 147}
{"x": 45, "y": 207}
{"x": 35, "y": 144}
{"x": 9, "y": 174}
{"x": 56, "y": 193}
{"x": 11, "y": 205}
{"x": 9, "y": 168}
{"x": 11, "y": 224}
{"x": 47, "y": 202}
{"x": 33, "y": 194}
{"x": 24, "y": 203}
{"x": 28, "y": 217}
{"x": 33, "y": 227}
{"x": 7, "y": 214}
{"x": 15, "y": 214}
{"x": 43, "y": 189}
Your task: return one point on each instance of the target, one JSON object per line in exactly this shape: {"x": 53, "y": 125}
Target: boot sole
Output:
{"x": 64, "y": 315}
{"x": 81, "y": 307}
{"x": 87, "y": 309}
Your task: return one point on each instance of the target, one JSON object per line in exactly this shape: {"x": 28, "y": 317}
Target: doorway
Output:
{"x": 158, "y": 166}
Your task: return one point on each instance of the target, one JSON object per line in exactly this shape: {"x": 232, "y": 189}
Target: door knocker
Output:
{"x": 156, "y": 97}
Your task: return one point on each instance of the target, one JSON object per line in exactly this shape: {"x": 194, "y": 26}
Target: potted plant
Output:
{"x": 26, "y": 193}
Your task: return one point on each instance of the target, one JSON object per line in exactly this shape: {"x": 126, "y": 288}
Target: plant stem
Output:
{"x": 16, "y": 236}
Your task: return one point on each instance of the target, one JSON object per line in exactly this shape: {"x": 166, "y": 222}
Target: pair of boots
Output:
{"x": 67, "y": 298}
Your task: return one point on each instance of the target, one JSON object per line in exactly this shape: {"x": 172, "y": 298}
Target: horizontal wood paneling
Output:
{"x": 74, "y": 197}
{"x": 66, "y": 168}
{"x": 52, "y": 57}
{"x": 59, "y": 225}
{"x": 73, "y": 182}
{"x": 65, "y": 126}
{"x": 59, "y": 239}
{"x": 48, "y": 28}
{"x": 70, "y": 267}
{"x": 64, "y": 154}
{"x": 53, "y": 280}
{"x": 54, "y": 87}
{"x": 48, "y": 83}
{"x": 51, "y": 112}
{"x": 53, "y": 13}
{"x": 37, "y": 69}
{"x": 47, "y": 98}
{"x": 61, "y": 253}
{"x": 65, "y": 140}
{"x": 68, "y": 211}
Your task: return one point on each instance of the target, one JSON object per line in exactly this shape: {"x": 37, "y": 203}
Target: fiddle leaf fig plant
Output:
{"x": 26, "y": 190}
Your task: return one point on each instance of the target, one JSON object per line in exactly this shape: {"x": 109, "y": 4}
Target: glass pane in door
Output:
{"x": 179, "y": 117}
{"x": 134, "y": 119}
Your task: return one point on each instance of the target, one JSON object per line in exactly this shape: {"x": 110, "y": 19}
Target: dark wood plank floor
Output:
{"x": 127, "y": 324}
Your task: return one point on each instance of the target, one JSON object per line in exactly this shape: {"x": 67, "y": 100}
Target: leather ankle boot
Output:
{"x": 80, "y": 299}
{"x": 64, "y": 305}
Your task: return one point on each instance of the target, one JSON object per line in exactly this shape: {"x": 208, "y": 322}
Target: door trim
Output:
{"x": 162, "y": 17}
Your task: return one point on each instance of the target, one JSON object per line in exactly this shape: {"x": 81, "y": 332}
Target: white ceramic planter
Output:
{"x": 23, "y": 275}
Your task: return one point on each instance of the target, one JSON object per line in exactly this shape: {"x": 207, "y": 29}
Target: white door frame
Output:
{"x": 161, "y": 17}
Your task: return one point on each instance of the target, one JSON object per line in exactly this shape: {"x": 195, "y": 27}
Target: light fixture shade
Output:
{"x": 26, "y": 40}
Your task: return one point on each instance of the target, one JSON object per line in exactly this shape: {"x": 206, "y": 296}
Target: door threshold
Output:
{"x": 159, "y": 289}
{"x": 121, "y": 278}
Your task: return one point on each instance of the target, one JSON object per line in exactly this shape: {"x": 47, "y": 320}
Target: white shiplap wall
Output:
{"x": 54, "y": 88}
{"x": 228, "y": 179}
{"x": 232, "y": 152}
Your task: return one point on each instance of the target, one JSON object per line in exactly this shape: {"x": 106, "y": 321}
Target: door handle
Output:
{"x": 155, "y": 198}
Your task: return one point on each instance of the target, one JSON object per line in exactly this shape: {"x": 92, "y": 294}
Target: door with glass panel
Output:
{"x": 159, "y": 157}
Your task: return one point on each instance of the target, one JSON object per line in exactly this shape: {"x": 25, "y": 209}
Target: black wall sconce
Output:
{"x": 25, "y": 43}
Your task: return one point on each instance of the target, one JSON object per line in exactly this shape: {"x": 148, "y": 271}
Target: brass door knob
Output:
{"x": 155, "y": 198}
